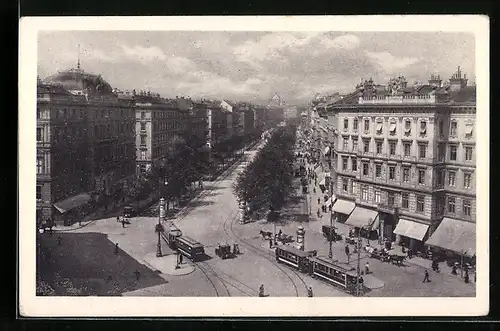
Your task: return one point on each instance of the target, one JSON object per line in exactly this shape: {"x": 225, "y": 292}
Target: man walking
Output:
{"x": 261, "y": 290}
{"x": 116, "y": 249}
{"x": 123, "y": 223}
{"x": 426, "y": 277}
{"x": 310, "y": 292}
{"x": 347, "y": 252}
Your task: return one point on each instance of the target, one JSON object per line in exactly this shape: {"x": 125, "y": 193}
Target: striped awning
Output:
{"x": 411, "y": 229}
{"x": 343, "y": 206}
{"x": 362, "y": 217}
{"x": 456, "y": 236}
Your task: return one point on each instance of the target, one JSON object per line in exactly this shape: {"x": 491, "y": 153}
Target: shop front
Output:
{"x": 411, "y": 234}
{"x": 342, "y": 209}
{"x": 455, "y": 239}
{"x": 71, "y": 209}
{"x": 366, "y": 221}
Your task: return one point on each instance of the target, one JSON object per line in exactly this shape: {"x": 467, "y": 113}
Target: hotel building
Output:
{"x": 405, "y": 162}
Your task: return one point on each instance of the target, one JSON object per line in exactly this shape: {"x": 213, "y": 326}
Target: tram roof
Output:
{"x": 294, "y": 250}
{"x": 327, "y": 261}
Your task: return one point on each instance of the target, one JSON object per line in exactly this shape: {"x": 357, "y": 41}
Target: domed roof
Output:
{"x": 77, "y": 79}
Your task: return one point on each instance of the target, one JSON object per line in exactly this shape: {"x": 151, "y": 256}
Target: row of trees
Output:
{"x": 266, "y": 183}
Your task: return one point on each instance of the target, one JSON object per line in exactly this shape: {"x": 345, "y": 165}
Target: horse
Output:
{"x": 266, "y": 234}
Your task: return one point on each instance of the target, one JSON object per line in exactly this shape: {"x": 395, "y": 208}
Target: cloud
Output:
{"x": 144, "y": 53}
{"x": 342, "y": 42}
{"x": 390, "y": 63}
{"x": 178, "y": 65}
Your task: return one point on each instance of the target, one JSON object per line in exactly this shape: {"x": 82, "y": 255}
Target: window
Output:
{"x": 378, "y": 170}
{"x": 441, "y": 151}
{"x": 392, "y": 172}
{"x": 466, "y": 207}
{"x": 422, "y": 151}
{"x": 392, "y": 128}
{"x": 143, "y": 115}
{"x": 355, "y": 145}
{"x": 344, "y": 184}
{"x": 390, "y": 198}
{"x": 364, "y": 193}
{"x": 38, "y": 134}
{"x": 39, "y": 164}
{"x": 392, "y": 147}
{"x": 354, "y": 164}
{"x": 440, "y": 177}
{"x": 346, "y": 142}
{"x": 441, "y": 128}
{"x": 380, "y": 126}
{"x": 355, "y": 124}
{"x": 346, "y": 124}
{"x": 421, "y": 176}
{"x": 468, "y": 153}
{"x": 451, "y": 205}
{"x": 379, "y": 147}
{"x": 404, "y": 200}
{"x": 365, "y": 169}
{"x": 407, "y": 148}
{"x": 453, "y": 152}
{"x": 367, "y": 125}
{"x": 344, "y": 163}
{"x": 467, "y": 180}
{"x": 39, "y": 192}
{"x": 38, "y": 113}
{"x": 143, "y": 155}
{"x": 420, "y": 203}
{"x": 406, "y": 175}
{"x": 423, "y": 127}
{"x": 366, "y": 145}
{"x": 143, "y": 140}
{"x": 453, "y": 128}
{"x": 451, "y": 178}
{"x": 377, "y": 197}
{"x": 468, "y": 130}
{"x": 143, "y": 126}
{"x": 407, "y": 127}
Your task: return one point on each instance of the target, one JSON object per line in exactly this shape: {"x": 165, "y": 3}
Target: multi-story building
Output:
{"x": 259, "y": 114}
{"x": 216, "y": 119}
{"x": 157, "y": 121}
{"x": 406, "y": 162}
{"x": 85, "y": 144}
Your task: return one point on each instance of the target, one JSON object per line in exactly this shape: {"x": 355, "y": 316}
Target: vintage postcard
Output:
{"x": 254, "y": 166}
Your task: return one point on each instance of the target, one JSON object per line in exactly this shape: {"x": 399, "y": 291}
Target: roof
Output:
{"x": 465, "y": 94}
{"x": 77, "y": 79}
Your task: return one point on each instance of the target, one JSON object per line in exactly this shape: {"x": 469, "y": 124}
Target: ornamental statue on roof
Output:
{"x": 397, "y": 85}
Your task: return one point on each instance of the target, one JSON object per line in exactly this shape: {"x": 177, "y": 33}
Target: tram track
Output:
{"x": 229, "y": 231}
{"x": 209, "y": 274}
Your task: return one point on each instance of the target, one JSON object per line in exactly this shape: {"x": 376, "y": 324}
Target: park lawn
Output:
{"x": 86, "y": 264}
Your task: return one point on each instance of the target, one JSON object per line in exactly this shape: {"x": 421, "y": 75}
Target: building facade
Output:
{"x": 85, "y": 145}
{"x": 406, "y": 161}
{"x": 157, "y": 122}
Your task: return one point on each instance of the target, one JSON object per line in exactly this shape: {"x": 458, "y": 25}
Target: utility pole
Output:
{"x": 358, "y": 264}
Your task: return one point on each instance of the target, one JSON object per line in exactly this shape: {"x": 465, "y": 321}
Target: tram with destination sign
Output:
{"x": 190, "y": 248}
{"x": 294, "y": 257}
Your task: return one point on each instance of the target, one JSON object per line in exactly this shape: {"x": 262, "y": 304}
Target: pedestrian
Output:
{"x": 314, "y": 189}
{"x": 270, "y": 243}
{"x": 348, "y": 253}
{"x": 410, "y": 253}
{"x": 454, "y": 268}
{"x": 180, "y": 259}
{"x": 118, "y": 219}
{"x": 123, "y": 223}
{"x": 319, "y": 213}
{"x": 466, "y": 276}
{"x": 59, "y": 240}
{"x": 137, "y": 275}
{"x": 367, "y": 268}
{"x": 426, "y": 277}
{"x": 310, "y": 292}
{"x": 116, "y": 248}
{"x": 319, "y": 201}
{"x": 261, "y": 290}
{"x": 280, "y": 233}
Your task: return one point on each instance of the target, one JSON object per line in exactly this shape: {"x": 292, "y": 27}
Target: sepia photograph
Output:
{"x": 259, "y": 166}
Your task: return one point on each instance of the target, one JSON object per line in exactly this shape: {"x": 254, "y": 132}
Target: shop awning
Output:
{"x": 411, "y": 229}
{"x": 343, "y": 206}
{"x": 362, "y": 217}
{"x": 71, "y": 203}
{"x": 454, "y": 235}
{"x": 327, "y": 150}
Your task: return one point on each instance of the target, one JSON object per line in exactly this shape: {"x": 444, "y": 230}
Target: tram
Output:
{"x": 189, "y": 248}
{"x": 328, "y": 271}
{"x": 294, "y": 257}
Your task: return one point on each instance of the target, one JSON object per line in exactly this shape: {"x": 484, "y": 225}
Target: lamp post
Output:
{"x": 358, "y": 244}
{"x": 159, "y": 227}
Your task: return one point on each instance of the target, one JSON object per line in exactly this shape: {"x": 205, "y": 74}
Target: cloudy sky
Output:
{"x": 254, "y": 65}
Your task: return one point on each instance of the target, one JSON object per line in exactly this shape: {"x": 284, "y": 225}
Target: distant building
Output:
{"x": 405, "y": 161}
{"x": 85, "y": 145}
{"x": 276, "y": 101}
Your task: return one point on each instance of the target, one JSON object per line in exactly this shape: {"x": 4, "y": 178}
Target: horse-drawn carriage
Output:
{"x": 382, "y": 255}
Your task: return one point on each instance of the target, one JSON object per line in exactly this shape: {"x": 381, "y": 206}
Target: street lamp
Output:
{"x": 358, "y": 244}
{"x": 159, "y": 227}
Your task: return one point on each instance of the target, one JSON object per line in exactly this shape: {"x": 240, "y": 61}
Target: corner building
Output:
{"x": 85, "y": 145}
{"x": 405, "y": 163}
